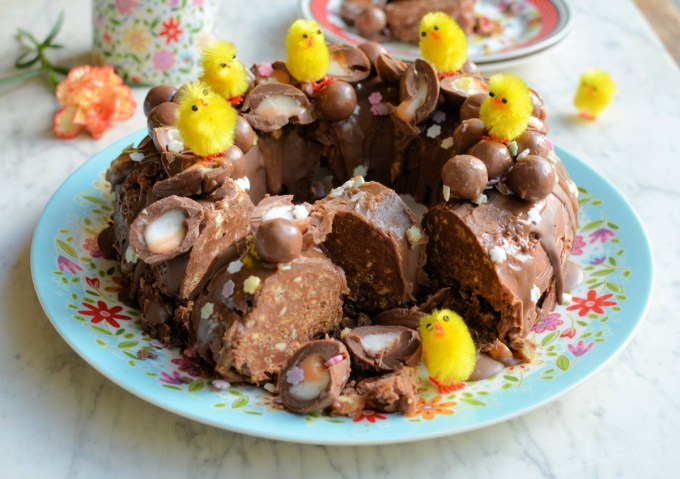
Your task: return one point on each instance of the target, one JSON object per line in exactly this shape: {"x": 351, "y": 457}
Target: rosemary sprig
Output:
{"x": 35, "y": 55}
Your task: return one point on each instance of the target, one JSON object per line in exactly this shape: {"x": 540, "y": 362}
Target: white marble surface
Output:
{"x": 61, "y": 418}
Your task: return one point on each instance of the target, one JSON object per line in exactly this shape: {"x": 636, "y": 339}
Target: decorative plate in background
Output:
{"x": 78, "y": 291}
{"x": 535, "y": 26}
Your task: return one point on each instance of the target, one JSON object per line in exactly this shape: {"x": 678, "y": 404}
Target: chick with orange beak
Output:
{"x": 307, "y": 58}
{"x": 449, "y": 353}
{"x": 442, "y": 43}
{"x": 594, "y": 94}
{"x": 506, "y": 111}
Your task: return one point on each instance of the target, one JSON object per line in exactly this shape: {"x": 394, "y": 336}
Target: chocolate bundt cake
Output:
{"x": 365, "y": 204}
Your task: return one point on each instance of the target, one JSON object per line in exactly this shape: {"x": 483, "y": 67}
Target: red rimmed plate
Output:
{"x": 534, "y": 26}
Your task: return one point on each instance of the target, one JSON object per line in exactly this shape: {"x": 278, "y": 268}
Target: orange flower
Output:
{"x": 92, "y": 98}
{"x": 430, "y": 409}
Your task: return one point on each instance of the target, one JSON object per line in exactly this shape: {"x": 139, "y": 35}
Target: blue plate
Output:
{"x": 77, "y": 289}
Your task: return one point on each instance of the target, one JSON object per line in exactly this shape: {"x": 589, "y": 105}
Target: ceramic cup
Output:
{"x": 152, "y": 42}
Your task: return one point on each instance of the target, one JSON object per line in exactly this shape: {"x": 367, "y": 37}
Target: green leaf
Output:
{"x": 172, "y": 386}
{"x": 66, "y": 249}
{"x": 510, "y": 378}
{"x": 334, "y": 421}
{"x": 219, "y": 405}
{"x": 548, "y": 377}
{"x": 473, "y": 402}
{"x": 196, "y": 386}
{"x": 621, "y": 297}
{"x": 130, "y": 355}
{"x": 582, "y": 323}
{"x": 94, "y": 199}
{"x": 613, "y": 226}
{"x": 120, "y": 331}
{"x": 132, "y": 363}
{"x": 98, "y": 329}
{"x": 507, "y": 386}
{"x": 240, "y": 402}
{"x": 592, "y": 225}
{"x": 127, "y": 344}
{"x": 55, "y": 29}
{"x": 626, "y": 273}
{"x": 612, "y": 261}
{"x": 597, "y": 202}
{"x": 614, "y": 287}
{"x": 604, "y": 272}
{"x": 562, "y": 362}
{"x": 549, "y": 338}
{"x": 100, "y": 342}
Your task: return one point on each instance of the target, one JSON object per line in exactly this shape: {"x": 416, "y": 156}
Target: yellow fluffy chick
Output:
{"x": 223, "y": 72}
{"x": 442, "y": 42}
{"x": 594, "y": 93}
{"x": 506, "y": 111}
{"x": 307, "y": 54}
{"x": 205, "y": 120}
{"x": 449, "y": 352}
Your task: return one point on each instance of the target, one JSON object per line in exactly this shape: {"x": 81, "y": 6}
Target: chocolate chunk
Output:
{"x": 164, "y": 114}
{"x": 337, "y": 101}
{"x": 314, "y": 376}
{"x": 393, "y": 392}
{"x": 494, "y": 154}
{"x": 471, "y": 105}
{"x": 531, "y": 178}
{"x": 348, "y": 63}
{"x": 465, "y": 176}
{"x": 485, "y": 367}
{"x": 372, "y": 50}
{"x": 157, "y": 95}
{"x": 457, "y": 88}
{"x": 244, "y": 136}
{"x": 370, "y": 22}
{"x": 165, "y": 229}
{"x": 106, "y": 240}
{"x": 418, "y": 92}
{"x": 390, "y": 69}
{"x": 534, "y": 142}
{"x": 468, "y": 133}
{"x": 270, "y": 106}
{"x": 408, "y": 318}
{"x": 278, "y": 241}
{"x": 383, "y": 348}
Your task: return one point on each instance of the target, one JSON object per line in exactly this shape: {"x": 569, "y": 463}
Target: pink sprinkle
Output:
{"x": 551, "y": 146}
{"x": 265, "y": 69}
{"x": 156, "y": 343}
{"x": 375, "y": 98}
{"x": 220, "y": 384}
{"x": 379, "y": 109}
{"x": 438, "y": 116}
{"x": 334, "y": 360}
{"x": 295, "y": 375}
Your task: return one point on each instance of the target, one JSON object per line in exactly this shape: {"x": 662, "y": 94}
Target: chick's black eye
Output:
{"x": 429, "y": 326}
{"x": 436, "y": 27}
{"x": 491, "y": 94}
{"x": 504, "y": 100}
{"x": 304, "y": 35}
{"x": 446, "y": 317}
{"x": 205, "y": 91}
{"x": 233, "y": 57}
{"x": 318, "y": 32}
{"x": 223, "y": 65}
{"x": 194, "y": 108}
{"x": 423, "y": 34}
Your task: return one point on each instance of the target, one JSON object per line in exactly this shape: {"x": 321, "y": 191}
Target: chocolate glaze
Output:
{"x": 408, "y": 318}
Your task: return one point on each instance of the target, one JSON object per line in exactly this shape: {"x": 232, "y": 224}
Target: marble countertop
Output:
{"x": 61, "y": 418}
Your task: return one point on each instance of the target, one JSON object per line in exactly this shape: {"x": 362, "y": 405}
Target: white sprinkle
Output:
{"x": 130, "y": 256}
{"x": 552, "y": 157}
{"x": 251, "y": 284}
{"x": 566, "y": 298}
{"x": 360, "y": 170}
{"x": 358, "y": 181}
{"x": 446, "y": 191}
{"x": 535, "y": 294}
{"x": 207, "y": 310}
{"x": 228, "y": 289}
{"x": 243, "y": 183}
{"x": 300, "y": 212}
{"x": 220, "y": 384}
{"x": 175, "y": 146}
{"x": 513, "y": 147}
{"x": 480, "y": 199}
{"x": 336, "y": 192}
{"x": 572, "y": 188}
{"x": 280, "y": 346}
{"x": 447, "y": 143}
{"x": 357, "y": 196}
{"x": 534, "y": 213}
{"x": 283, "y": 211}
{"x": 414, "y": 235}
{"x": 136, "y": 156}
{"x": 284, "y": 267}
{"x": 497, "y": 255}
{"x": 235, "y": 266}
{"x": 269, "y": 387}
{"x": 434, "y": 131}
{"x": 523, "y": 154}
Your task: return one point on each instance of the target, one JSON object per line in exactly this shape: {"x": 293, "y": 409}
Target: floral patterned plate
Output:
{"x": 77, "y": 289}
{"x": 533, "y": 26}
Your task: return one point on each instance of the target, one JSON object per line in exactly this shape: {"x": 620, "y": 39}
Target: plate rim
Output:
{"x": 641, "y": 307}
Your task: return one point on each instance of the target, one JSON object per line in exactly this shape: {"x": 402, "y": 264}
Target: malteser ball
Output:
{"x": 532, "y": 178}
{"x": 466, "y": 176}
{"x": 157, "y": 95}
{"x": 372, "y": 50}
{"x": 538, "y": 104}
{"x": 243, "y": 134}
{"x": 495, "y": 156}
{"x": 533, "y": 141}
{"x": 278, "y": 241}
{"x": 370, "y": 22}
{"x": 467, "y": 134}
{"x": 471, "y": 105}
{"x": 337, "y": 101}
{"x": 164, "y": 114}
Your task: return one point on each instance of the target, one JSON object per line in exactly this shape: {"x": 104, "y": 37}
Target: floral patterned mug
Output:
{"x": 152, "y": 42}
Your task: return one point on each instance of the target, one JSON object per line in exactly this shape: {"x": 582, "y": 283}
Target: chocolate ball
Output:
{"x": 337, "y": 101}
{"x": 235, "y": 154}
{"x": 538, "y": 104}
{"x": 467, "y": 134}
{"x": 533, "y": 141}
{"x": 164, "y": 114}
{"x": 370, "y": 22}
{"x": 372, "y": 50}
{"x": 495, "y": 156}
{"x": 471, "y": 105}
{"x": 278, "y": 241}
{"x": 244, "y": 136}
{"x": 532, "y": 178}
{"x": 466, "y": 176}
{"x": 157, "y": 95}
